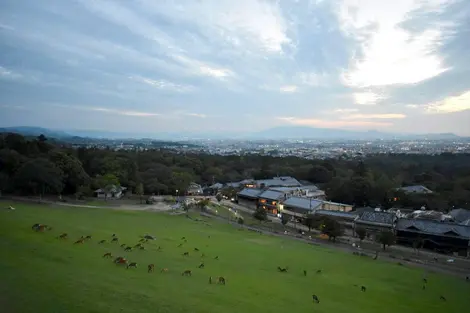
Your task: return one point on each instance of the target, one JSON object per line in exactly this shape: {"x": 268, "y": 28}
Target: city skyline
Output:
{"x": 150, "y": 66}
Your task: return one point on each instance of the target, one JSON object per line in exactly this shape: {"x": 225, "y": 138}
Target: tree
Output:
{"x": 39, "y": 173}
{"x": 202, "y": 204}
{"x": 361, "y": 233}
{"x": 319, "y": 174}
{"x": 331, "y": 228}
{"x": 418, "y": 244}
{"x": 219, "y": 197}
{"x": 310, "y": 222}
{"x": 284, "y": 219}
{"x": 386, "y": 238}
{"x": 74, "y": 174}
{"x": 260, "y": 214}
{"x": 83, "y": 191}
{"x": 139, "y": 189}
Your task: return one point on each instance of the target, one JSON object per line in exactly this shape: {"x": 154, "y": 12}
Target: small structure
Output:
{"x": 436, "y": 235}
{"x": 375, "y": 222}
{"x": 344, "y": 218}
{"x": 194, "y": 190}
{"x": 333, "y": 206}
{"x": 110, "y": 192}
{"x": 281, "y": 181}
{"x": 416, "y": 189}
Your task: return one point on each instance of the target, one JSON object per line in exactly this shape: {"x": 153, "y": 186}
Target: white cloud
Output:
{"x": 342, "y": 110}
{"x": 109, "y": 111}
{"x": 163, "y": 84}
{"x": 313, "y": 79}
{"x": 288, "y": 89}
{"x": 451, "y": 104}
{"x": 8, "y": 74}
{"x": 367, "y": 98}
{"x": 374, "y": 116}
{"x": 389, "y": 53}
{"x": 245, "y": 24}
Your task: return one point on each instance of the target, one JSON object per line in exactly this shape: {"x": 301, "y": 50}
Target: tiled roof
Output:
{"x": 250, "y": 193}
{"x": 380, "y": 218}
{"x": 302, "y": 203}
{"x": 348, "y": 215}
{"x": 433, "y": 227}
{"x": 466, "y": 223}
{"x": 233, "y": 184}
{"x": 271, "y": 195}
{"x": 217, "y": 186}
{"x": 416, "y": 188}
{"x": 460, "y": 215}
{"x": 279, "y": 181}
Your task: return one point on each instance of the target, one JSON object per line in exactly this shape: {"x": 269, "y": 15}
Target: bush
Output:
{"x": 240, "y": 221}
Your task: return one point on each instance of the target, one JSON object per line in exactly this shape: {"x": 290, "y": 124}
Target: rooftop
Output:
{"x": 379, "y": 218}
{"x": 272, "y": 195}
{"x": 434, "y": 227}
{"x": 250, "y": 193}
{"x": 302, "y": 203}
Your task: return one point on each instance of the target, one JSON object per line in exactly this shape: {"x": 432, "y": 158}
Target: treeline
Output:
{"x": 38, "y": 166}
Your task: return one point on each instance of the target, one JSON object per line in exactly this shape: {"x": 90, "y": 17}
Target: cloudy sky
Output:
{"x": 226, "y": 65}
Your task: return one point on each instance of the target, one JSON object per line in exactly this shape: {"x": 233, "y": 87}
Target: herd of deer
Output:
{"x": 124, "y": 262}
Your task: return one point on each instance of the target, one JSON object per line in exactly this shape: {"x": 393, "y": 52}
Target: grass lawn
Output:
{"x": 39, "y": 273}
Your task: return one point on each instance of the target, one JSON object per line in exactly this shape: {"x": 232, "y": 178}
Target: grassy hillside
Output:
{"x": 40, "y": 273}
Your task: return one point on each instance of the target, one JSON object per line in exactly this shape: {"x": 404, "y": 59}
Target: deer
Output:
{"x": 201, "y": 265}
{"x": 115, "y": 239}
{"x": 107, "y": 255}
{"x": 101, "y": 242}
{"x": 186, "y": 254}
{"x": 128, "y": 249}
{"x": 221, "y": 280}
{"x": 282, "y": 269}
{"x": 315, "y": 299}
{"x": 150, "y": 268}
{"x": 88, "y": 237}
{"x": 187, "y": 273}
{"x": 363, "y": 288}
{"x": 305, "y": 273}
{"x": 63, "y": 236}
{"x": 123, "y": 245}
{"x": 79, "y": 241}
{"x": 196, "y": 249}
{"x": 132, "y": 264}
{"x": 164, "y": 270}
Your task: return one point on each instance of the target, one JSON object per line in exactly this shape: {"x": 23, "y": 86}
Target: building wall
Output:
{"x": 336, "y": 207}
{"x": 251, "y": 204}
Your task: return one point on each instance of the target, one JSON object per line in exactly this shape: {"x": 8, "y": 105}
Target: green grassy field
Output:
{"x": 40, "y": 273}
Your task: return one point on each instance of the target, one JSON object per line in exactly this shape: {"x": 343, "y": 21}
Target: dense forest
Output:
{"x": 38, "y": 166}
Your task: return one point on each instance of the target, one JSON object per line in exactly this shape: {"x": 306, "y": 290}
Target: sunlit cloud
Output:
{"x": 450, "y": 104}
{"x": 109, "y": 111}
{"x": 367, "y": 98}
{"x": 288, "y": 89}
{"x": 386, "y": 116}
{"x": 163, "y": 84}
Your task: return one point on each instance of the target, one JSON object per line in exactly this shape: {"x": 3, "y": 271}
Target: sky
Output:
{"x": 244, "y": 65}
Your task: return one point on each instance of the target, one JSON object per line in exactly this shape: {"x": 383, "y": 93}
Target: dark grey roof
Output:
{"x": 466, "y": 223}
{"x": 233, "y": 184}
{"x": 348, "y": 215}
{"x": 379, "y": 218}
{"x": 433, "y": 227}
{"x": 302, "y": 203}
{"x": 460, "y": 215}
{"x": 272, "y": 195}
{"x": 415, "y": 189}
{"x": 284, "y": 181}
{"x": 250, "y": 193}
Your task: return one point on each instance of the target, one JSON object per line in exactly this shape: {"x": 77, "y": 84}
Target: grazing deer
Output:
{"x": 210, "y": 279}
{"x": 128, "y": 249}
{"x": 114, "y": 235}
{"x": 180, "y": 245}
{"x": 183, "y": 238}
{"x": 142, "y": 248}
{"x": 115, "y": 239}
{"x": 282, "y": 269}
{"x": 186, "y": 254}
{"x": 41, "y": 228}
{"x": 35, "y": 226}
{"x": 443, "y": 298}
{"x": 376, "y": 255}
{"x": 88, "y": 237}
{"x": 467, "y": 278}
{"x": 221, "y": 280}
{"x": 201, "y": 265}
{"x": 363, "y": 288}
{"x": 107, "y": 255}
{"x": 142, "y": 240}
{"x": 159, "y": 248}
{"x": 138, "y": 245}
{"x": 120, "y": 260}
{"x": 318, "y": 271}
{"x": 315, "y": 299}
{"x": 123, "y": 245}
{"x": 305, "y": 273}
{"x": 79, "y": 241}
{"x": 150, "y": 268}
{"x": 196, "y": 249}
{"x": 187, "y": 273}
{"x": 132, "y": 264}
{"x": 425, "y": 280}
{"x": 216, "y": 258}
{"x": 63, "y": 236}
{"x": 164, "y": 270}
{"x": 101, "y": 241}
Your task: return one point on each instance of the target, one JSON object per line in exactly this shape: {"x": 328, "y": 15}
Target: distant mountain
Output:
{"x": 35, "y": 131}
{"x": 281, "y": 132}
{"x": 304, "y": 132}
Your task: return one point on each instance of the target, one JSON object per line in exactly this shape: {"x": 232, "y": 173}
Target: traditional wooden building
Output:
{"x": 298, "y": 207}
{"x": 375, "y": 222}
{"x": 249, "y": 197}
{"x": 270, "y": 200}
{"x": 435, "y": 235}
